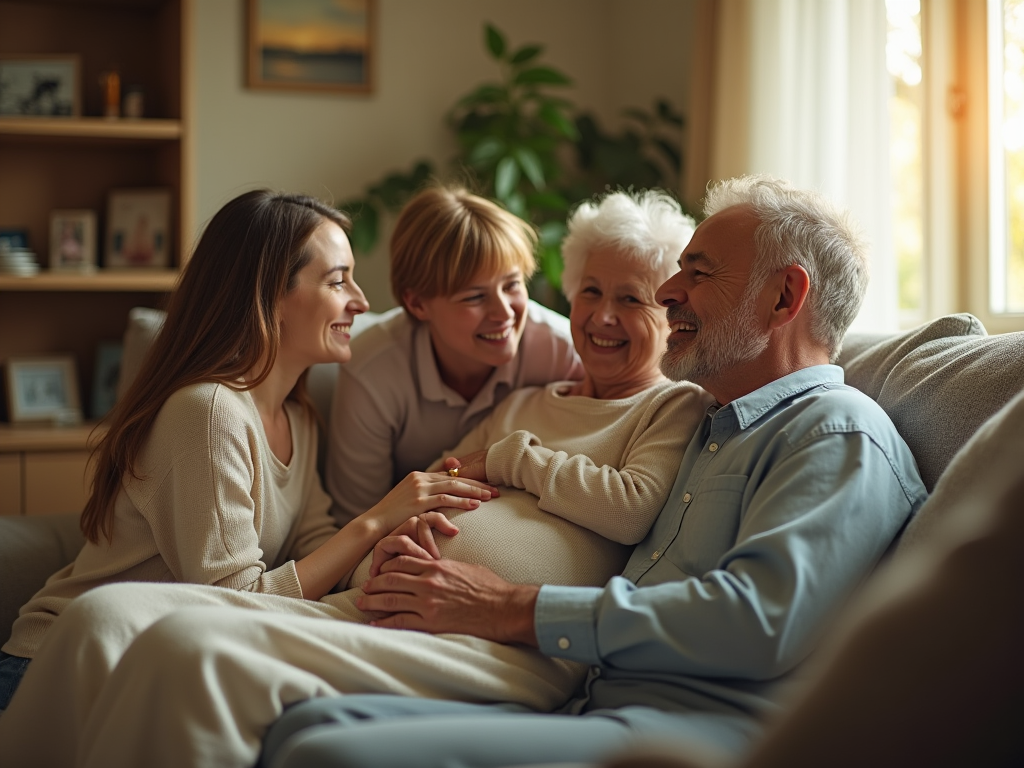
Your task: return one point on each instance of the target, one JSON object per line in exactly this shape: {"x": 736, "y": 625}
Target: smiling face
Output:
{"x": 317, "y": 313}
{"x": 476, "y": 329}
{"x": 713, "y": 319}
{"x": 618, "y": 328}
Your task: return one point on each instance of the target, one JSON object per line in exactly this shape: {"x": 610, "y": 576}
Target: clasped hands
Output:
{"x": 412, "y": 587}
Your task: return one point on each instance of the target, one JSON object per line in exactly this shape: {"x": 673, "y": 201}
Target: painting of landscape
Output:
{"x": 311, "y": 44}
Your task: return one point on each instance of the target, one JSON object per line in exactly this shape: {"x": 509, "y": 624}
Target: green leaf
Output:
{"x": 551, "y": 265}
{"x": 541, "y": 76}
{"x": 668, "y": 114}
{"x": 495, "y": 41}
{"x": 671, "y": 152}
{"x": 552, "y": 232}
{"x": 551, "y": 201}
{"x": 516, "y": 204}
{"x": 531, "y": 166}
{"x": 486, "y": 151}
{"x": 489, "y": 93}
{"x": 365, "y": 229}
{"x": 506, "y": 176}
{"x": 526, "y": 53}
{"x": 554, "y": 117}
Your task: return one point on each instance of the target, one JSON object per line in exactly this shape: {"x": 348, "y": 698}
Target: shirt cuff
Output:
{"x": 565, "y": 620}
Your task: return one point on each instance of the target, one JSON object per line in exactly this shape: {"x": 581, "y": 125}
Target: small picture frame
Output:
{"x": 106, "y": 374}
{"x": 43, "y": 389}
{"x": 39, "y": 85}
{"x": 312, "y": 45}
{"x": 73, "y": 240}
{"x": 138, "y": 228}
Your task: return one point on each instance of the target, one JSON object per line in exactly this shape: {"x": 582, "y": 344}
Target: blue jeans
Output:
{"x": 12, "y": 669}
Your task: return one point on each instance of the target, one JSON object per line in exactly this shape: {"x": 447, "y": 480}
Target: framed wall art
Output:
{"x": 138, "y": 228}
{"x": 43, "y": 389}
{"x": 313, "y": 45}
{"x": 39, "y": 86}
{"x": 73, "y": 240}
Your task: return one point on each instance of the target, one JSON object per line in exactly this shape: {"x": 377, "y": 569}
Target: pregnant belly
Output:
{"x": 525, "y": 545}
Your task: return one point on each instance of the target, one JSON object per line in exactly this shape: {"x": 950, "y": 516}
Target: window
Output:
{"x": 956, "y": 70}
{"x": 1006, "y": 154}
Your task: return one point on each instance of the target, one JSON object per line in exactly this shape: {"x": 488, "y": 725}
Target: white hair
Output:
{"x": 648, "y": 226}
{"x": 798, "y": 226}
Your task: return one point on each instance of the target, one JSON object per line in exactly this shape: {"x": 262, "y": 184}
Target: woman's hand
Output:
{"x": 421, "y": 492}
{"x": 415, "y": 538}
{"x": 472, "y": 466}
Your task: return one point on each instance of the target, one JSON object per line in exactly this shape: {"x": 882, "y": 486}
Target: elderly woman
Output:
{"x": 199, "y": 680}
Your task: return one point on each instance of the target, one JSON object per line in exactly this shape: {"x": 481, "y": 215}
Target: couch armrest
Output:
{"x": 31, "y": 550}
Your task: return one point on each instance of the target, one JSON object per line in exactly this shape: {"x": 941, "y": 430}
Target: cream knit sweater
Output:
{"x": 211, "y": 505}
{"x": 582, "y": 481}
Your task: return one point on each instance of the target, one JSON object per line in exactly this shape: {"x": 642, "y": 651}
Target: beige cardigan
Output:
{"x": 211, "y": 505}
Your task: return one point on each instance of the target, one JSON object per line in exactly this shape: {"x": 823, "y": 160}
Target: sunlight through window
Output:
{"x": 906, "y": 109}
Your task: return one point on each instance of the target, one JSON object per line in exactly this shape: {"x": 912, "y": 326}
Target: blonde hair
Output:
{"x": 446, "y": 235}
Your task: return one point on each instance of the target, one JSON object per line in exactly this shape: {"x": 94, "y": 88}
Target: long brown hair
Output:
{"x": 222, "y": 322}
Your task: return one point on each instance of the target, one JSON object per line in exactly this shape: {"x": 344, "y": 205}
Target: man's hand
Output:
{"x": 448, "y": 596}
{"x": 414, "y": 538}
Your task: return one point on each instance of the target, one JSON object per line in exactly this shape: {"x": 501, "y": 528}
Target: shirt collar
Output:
{"x": 433, "y": 388}
{"x": 753, "y": 406}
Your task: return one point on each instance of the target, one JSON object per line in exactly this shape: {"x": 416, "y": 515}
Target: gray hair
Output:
{"x": 648, "y": 226}
{"x": 802, "y": 227}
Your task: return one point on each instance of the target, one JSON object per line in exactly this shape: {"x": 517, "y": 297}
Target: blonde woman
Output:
{"x": 464, "y": 337}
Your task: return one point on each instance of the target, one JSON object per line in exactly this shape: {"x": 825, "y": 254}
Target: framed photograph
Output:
{"x": 106, "y": 374}
{"x": 138, "y": 228}
{"x": 73, "y": 240}
{"x": 39, "y": 86}
{"x": 313, "y": 45}
{"x": 43, "y": 389}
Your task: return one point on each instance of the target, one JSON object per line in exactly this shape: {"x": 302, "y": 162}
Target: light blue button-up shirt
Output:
{"x": 784, "y": 501}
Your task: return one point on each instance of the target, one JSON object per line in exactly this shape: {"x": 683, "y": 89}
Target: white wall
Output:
{"x": 429, "y": 52}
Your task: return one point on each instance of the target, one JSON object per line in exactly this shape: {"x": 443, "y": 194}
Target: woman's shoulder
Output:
{"x": 205, "y": 402}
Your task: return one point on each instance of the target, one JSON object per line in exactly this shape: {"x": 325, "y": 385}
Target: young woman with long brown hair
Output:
{"x": 207, "y": 473}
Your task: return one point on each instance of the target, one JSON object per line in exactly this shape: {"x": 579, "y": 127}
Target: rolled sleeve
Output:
{"x": 565, "y": 622}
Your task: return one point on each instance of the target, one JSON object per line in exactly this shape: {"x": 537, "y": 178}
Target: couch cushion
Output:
{"x": 939, "y": 383}
{"x": 31, "y": 550}
{"x": 869, "y": 358}
{"x": 995, "y": 450}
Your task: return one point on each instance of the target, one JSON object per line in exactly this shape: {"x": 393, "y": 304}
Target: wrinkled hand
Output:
{"x": 448, "y": 596}
{"x": 472, "y": 466}
{"x": 420, "y": 492}
{"x": 413, "y": 538}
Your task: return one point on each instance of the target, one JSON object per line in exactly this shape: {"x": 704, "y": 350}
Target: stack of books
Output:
{"x": 18, "y": 261}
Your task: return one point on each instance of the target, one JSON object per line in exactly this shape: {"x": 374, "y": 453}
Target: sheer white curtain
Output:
{"x": 799, "y": 89}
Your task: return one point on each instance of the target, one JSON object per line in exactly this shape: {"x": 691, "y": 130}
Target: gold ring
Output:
{"x": 453, "y": 472}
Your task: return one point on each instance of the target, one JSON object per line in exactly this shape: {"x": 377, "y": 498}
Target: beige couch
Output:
{"x": 939, "y": 383}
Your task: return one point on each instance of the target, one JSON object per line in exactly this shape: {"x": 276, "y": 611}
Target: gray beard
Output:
{"x": 721, "y": 344}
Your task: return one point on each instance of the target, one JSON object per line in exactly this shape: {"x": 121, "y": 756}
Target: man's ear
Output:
{"x": 414, "y": 304}
{"x": 791, "y": 285}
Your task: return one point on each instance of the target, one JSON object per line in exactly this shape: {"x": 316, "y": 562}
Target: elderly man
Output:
{"x": 786, "y": 497}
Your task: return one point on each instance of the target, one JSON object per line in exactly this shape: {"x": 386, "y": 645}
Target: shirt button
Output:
{"x": 687, "y": 497}
{"x": 563, "y": 643}
{"x": 656, "y": 555}
{"x": 713, "y": 447}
